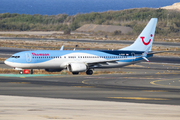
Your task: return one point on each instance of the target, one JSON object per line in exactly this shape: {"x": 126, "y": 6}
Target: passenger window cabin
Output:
{"x": 71, "y": 57}
{"x": 15, "y": 56}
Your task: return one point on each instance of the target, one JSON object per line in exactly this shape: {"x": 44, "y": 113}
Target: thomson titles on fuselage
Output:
{"x": 40, "y": 54}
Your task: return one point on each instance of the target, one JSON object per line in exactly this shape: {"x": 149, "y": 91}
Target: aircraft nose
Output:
{"x": 7, "y": 62}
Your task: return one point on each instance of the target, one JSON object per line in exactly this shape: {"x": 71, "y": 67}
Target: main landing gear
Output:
{"x": 75, "y": 73}
{"x": 31, "y": 72}
{"x": 89, "y": 72}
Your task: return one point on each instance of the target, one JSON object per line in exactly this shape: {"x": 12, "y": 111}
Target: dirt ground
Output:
{"x": 105, "y": 28}
{"x": 32, "y": 32}
{"x": 34, "y": 108}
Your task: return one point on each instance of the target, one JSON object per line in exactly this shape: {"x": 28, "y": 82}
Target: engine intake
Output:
{"x": 77, "y": 67}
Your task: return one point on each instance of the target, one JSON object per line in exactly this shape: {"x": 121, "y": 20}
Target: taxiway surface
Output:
{"x": 143, "y": 91}
{"x": 148, "y": 83}
{"x": 145, "y": 83}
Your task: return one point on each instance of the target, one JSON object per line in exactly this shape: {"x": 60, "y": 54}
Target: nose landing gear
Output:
{"x": 20, "y": 72}
{"x": 26, "y": 71}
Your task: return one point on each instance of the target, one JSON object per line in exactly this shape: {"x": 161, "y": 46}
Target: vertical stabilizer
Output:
{"x": 145, "y": 39}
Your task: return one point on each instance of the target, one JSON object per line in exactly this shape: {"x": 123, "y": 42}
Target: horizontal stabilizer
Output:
{"x": 145, "y": 59}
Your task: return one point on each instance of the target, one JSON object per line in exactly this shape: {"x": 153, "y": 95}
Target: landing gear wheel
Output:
{"x": 75, "y": 73}
{"x": 31, "y": 71}
{"x": 89, "y": 72}
{"x": 21, "y": 72}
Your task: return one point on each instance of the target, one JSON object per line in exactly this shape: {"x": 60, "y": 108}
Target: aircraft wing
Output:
{"x": 144, "y": 55}
{"x": 105, "y": 61}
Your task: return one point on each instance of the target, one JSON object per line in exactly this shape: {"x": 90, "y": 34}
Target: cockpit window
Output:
{"x": 15, "y": 56}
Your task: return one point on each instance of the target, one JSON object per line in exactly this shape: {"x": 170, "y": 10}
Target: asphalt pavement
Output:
{"x": 150, "y": 83}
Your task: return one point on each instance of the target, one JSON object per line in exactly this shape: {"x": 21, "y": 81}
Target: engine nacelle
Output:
{"x": 77, "y": 67}
{"x": 53, "y": 70}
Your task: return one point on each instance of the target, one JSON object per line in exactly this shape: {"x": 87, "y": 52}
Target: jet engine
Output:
{"x": 53, "y": 70}
{"x": 77, "y": 67}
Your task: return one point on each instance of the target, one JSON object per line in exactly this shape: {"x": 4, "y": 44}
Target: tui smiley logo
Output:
{"x": 146, "y": 43}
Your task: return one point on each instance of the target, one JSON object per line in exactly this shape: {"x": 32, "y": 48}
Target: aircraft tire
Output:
{"x": 89, "y": 72}
{"x": 75, "y": 73}
{"x": 21, "y": 72}
{"x": 31, "y": 71}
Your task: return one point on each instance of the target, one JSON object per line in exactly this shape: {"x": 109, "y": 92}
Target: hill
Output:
{"x": 104, "y": 28}
{"x": 168, "y": 21}
{"x": 175, "y": 6}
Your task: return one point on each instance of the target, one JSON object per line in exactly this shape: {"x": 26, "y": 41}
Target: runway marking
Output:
{"x": 138, "y": 98}
{"x": 155, "y": 83}
{"x": 84, "y": 82}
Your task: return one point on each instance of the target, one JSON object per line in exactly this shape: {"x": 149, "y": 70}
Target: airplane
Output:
{"x": 77, "y": 61}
